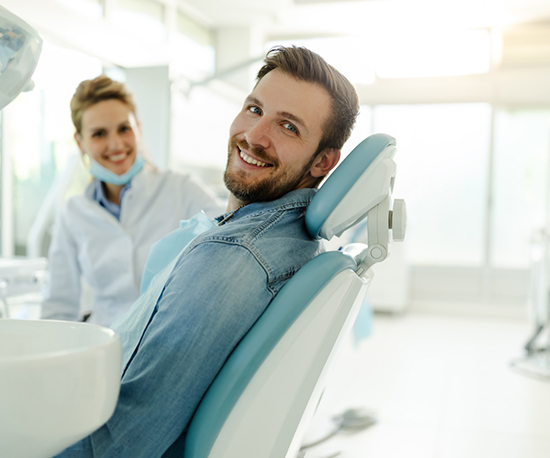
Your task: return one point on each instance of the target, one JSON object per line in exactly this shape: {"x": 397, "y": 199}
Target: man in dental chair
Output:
{"x": 219, "y": 276}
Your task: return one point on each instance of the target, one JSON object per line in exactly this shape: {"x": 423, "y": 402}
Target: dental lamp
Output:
{"x": 20, "y": 47}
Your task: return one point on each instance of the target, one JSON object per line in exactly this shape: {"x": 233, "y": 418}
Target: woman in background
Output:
{"x": 104, "y": 236}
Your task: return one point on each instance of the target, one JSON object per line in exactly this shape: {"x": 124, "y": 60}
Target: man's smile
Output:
{"x": 252, "y": 161}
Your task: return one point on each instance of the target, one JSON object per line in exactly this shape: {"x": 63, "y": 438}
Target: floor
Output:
{"x": 439, "y": 387}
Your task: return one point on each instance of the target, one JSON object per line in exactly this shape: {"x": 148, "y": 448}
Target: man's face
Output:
{"x": 274, "y": 137}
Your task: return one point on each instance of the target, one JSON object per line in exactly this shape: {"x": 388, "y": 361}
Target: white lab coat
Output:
{"x": 90, "y": 243}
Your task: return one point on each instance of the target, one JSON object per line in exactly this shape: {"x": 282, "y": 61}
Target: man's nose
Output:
{"x": 259, "y": 134}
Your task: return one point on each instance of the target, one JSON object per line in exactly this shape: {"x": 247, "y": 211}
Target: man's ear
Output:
{"x": 325, "y": 162}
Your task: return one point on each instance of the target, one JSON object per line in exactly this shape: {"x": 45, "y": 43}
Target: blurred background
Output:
{"x": 464, "y": 87}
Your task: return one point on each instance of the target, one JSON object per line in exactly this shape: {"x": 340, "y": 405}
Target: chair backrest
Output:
{"x": 266, "y": 393}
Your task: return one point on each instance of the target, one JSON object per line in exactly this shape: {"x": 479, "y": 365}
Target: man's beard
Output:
{"x": 272, "y": 187}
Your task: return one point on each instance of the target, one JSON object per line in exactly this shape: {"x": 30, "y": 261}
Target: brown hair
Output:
{"x": 90, "y": 92}
{"x": 305, "y": 65}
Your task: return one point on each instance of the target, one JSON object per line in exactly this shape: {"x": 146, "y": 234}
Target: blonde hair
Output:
{"x": 90, "y": 92}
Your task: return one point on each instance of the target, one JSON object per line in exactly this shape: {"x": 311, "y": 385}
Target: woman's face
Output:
{"x": 109, "y": 135}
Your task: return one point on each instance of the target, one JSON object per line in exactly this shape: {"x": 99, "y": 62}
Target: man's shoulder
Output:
{"x": 276, "y": 237}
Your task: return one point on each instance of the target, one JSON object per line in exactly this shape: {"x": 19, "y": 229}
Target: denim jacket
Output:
{"x": 219, "y": 287}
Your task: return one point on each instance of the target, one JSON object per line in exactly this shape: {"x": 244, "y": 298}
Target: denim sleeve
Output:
{"x": 213, "y": 297}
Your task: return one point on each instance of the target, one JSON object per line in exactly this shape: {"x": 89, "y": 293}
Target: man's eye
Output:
{"x": 125, "y": 129}
{"x": 255, "y": 110}
{"x": 98, "y": 134}
{"x": 290, "y": 127}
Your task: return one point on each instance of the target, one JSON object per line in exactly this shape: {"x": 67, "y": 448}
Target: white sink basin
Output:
{"x": 59, "y": 382}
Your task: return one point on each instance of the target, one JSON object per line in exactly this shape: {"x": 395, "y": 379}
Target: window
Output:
{"x": 401, "y": 53}
{"x": 39, "y": 133}
{"x": 194, "y": 48}
{"x": 442, "y": 160}
{"x": 521, "y": 184}
{"x": 144, "y": 15}
{"x": 362, "y": 129}
{"x": 359, "y": 69}
{"x": 431, "y": 53}
{"x": 90, "y": 8}
{"x": 202, "y": 132}
{"x": 4, "y": 208}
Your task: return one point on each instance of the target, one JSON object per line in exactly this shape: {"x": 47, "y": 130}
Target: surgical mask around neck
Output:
{"x": 104, "y": 174}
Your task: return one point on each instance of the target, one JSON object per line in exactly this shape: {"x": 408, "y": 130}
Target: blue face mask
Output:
{"x": 104, "y": 174}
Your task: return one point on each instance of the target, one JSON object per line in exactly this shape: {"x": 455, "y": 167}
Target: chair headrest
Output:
{"x": 359, "y": 183}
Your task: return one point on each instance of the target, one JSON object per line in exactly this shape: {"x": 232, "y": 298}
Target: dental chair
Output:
{"x": 266, "y": 393}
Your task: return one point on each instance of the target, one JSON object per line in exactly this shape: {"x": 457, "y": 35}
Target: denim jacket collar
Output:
{"x": 296, "y": 198}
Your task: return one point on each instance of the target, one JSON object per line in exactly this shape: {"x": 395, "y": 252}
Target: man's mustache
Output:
{"x": 257, "y": 151}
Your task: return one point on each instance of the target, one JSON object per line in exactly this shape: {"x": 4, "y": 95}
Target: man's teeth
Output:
{"x": 250, "y": 160}
{"x": 117, "y": 157}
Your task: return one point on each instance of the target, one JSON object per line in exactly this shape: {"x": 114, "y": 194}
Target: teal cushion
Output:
{"x": 247, "y": 357}
{"x": 342, "y": 180}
